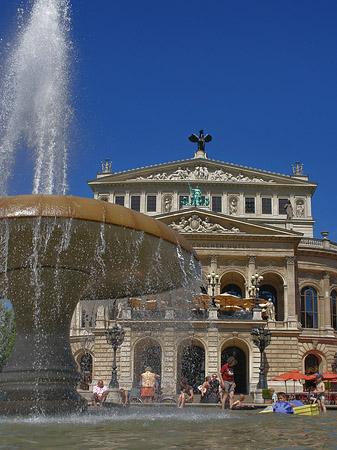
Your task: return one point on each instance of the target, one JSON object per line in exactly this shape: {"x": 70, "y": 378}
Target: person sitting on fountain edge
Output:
{"x": 100, "y": 393}
{"x": 124, "y": 397}
{"x": 186, "y": 394}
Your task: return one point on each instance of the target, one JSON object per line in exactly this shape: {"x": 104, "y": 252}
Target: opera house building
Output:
{"x": 241, "y": 222}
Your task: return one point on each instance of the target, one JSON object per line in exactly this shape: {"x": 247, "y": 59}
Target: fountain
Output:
{"x": 57, "y": 249}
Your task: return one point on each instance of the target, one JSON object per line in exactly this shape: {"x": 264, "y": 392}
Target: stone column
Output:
{"x": 175, "y": 206}
{"x": 127, "y": 201}
{"x": 168, "y": 371}
{"x": 143, "y": 202}
{"x": 326, "y": 310}
{"x": 225, "y": 208}
{"x": 290, "y": 294}
{"x": 159, "y": 202}
{"x": 258, "y": 204}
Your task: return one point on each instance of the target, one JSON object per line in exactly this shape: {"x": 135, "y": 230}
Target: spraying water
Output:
{"x": 34, "y": 100}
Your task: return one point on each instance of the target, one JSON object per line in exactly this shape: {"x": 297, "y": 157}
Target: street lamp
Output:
{"x": 213, "y": 281}
{"x": 254, "y": 288}
{"x": 114, "y": 337}
{"x": 261, "y": 338}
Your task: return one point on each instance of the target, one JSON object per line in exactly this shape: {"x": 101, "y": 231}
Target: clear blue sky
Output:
{"x": 259, "y": 76}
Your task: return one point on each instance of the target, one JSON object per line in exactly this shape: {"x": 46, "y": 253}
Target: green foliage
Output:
{"x": 7, "y": 334}
{"x": 266, "y": 393}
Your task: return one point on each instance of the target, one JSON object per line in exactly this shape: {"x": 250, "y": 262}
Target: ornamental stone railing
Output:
{"x": 323, "y": 244}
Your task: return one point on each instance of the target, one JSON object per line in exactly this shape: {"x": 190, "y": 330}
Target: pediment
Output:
{"x": 200, "y": 170}
{"x": 198, "y": 221}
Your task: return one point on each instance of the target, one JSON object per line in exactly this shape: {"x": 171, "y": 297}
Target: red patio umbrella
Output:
{"x": 294, "y": 375}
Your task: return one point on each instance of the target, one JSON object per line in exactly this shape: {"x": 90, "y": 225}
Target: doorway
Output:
{"x": 240, "y": 370}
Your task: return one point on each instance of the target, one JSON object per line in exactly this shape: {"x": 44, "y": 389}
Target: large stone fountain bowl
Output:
{"x": 57, "y": 250}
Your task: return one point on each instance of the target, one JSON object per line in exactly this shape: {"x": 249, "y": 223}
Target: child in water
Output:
{"x": 239, "y": 404}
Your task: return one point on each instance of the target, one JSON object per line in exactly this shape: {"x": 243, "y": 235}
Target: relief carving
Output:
{"x": 267, "y": 263}
{"x": 309, "y": 276}
{"x": 203, "y": 173}
{"x": 195, "y": 224}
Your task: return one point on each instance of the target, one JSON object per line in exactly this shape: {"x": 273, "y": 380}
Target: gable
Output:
{"x": 200, "y": 170}
{"x": 197, "y": 221}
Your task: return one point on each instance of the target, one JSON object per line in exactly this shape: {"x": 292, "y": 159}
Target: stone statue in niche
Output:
{"x": 167, "y": 203}
{"x": 300, "y": 208}
{"x": 233, "y": 206}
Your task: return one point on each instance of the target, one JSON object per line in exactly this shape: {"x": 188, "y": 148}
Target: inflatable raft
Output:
{"x": 293, "y": 407}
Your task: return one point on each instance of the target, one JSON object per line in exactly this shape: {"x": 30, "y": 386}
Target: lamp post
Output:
{"x": 114, "y": 337}
{"x": 261, "y": 338}
{"x": 254, "y": 288}
{"x": 213, "y": 281}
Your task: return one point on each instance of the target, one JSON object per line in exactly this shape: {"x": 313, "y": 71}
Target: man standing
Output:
{"x": 227, "y": 381}
{"x": 100, "y": 393}
{"x": 148, "y": 380}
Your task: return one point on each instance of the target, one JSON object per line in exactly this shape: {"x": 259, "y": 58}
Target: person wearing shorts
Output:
{"x": 227, "y": 381}
{"x": 320, "y": 391}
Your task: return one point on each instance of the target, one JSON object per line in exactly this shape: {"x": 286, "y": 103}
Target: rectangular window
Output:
{"x": 119, "y": 200}
{"x": 250, "y": 205}
{"x": 216, "y": 204}
{"x": 151, "y": 203}
{"x": 135, "y": 202}
{"x": 182, "y": 201}
{"x": 266, "y": 205}
{"x": 281, "y": 205}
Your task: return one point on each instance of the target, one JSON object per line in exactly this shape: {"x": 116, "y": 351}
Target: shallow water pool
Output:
{"x": 138, "y": 429}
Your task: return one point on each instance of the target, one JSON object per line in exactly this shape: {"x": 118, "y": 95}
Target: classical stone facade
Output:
{"x": 247, "y": 221}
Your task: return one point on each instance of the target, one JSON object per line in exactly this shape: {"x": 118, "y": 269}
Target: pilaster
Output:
{"x": 168, "y": 380}
{"x": 326, "y": 323}
{"x": 125, "y": 375}
{"x": 290, "y": 294}
{"x": 212, "y": 365}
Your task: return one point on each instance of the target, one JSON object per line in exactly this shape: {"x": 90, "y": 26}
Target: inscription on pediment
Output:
{"x": 196, "y": 224}
{"x": 203, "y": 173}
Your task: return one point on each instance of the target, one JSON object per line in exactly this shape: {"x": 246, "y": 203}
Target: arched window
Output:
{"x": 233, "y": 289}
{"x": 309, "y": 316}
{"x": 268, "y": 292}
{"x": 333, "y": 299}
